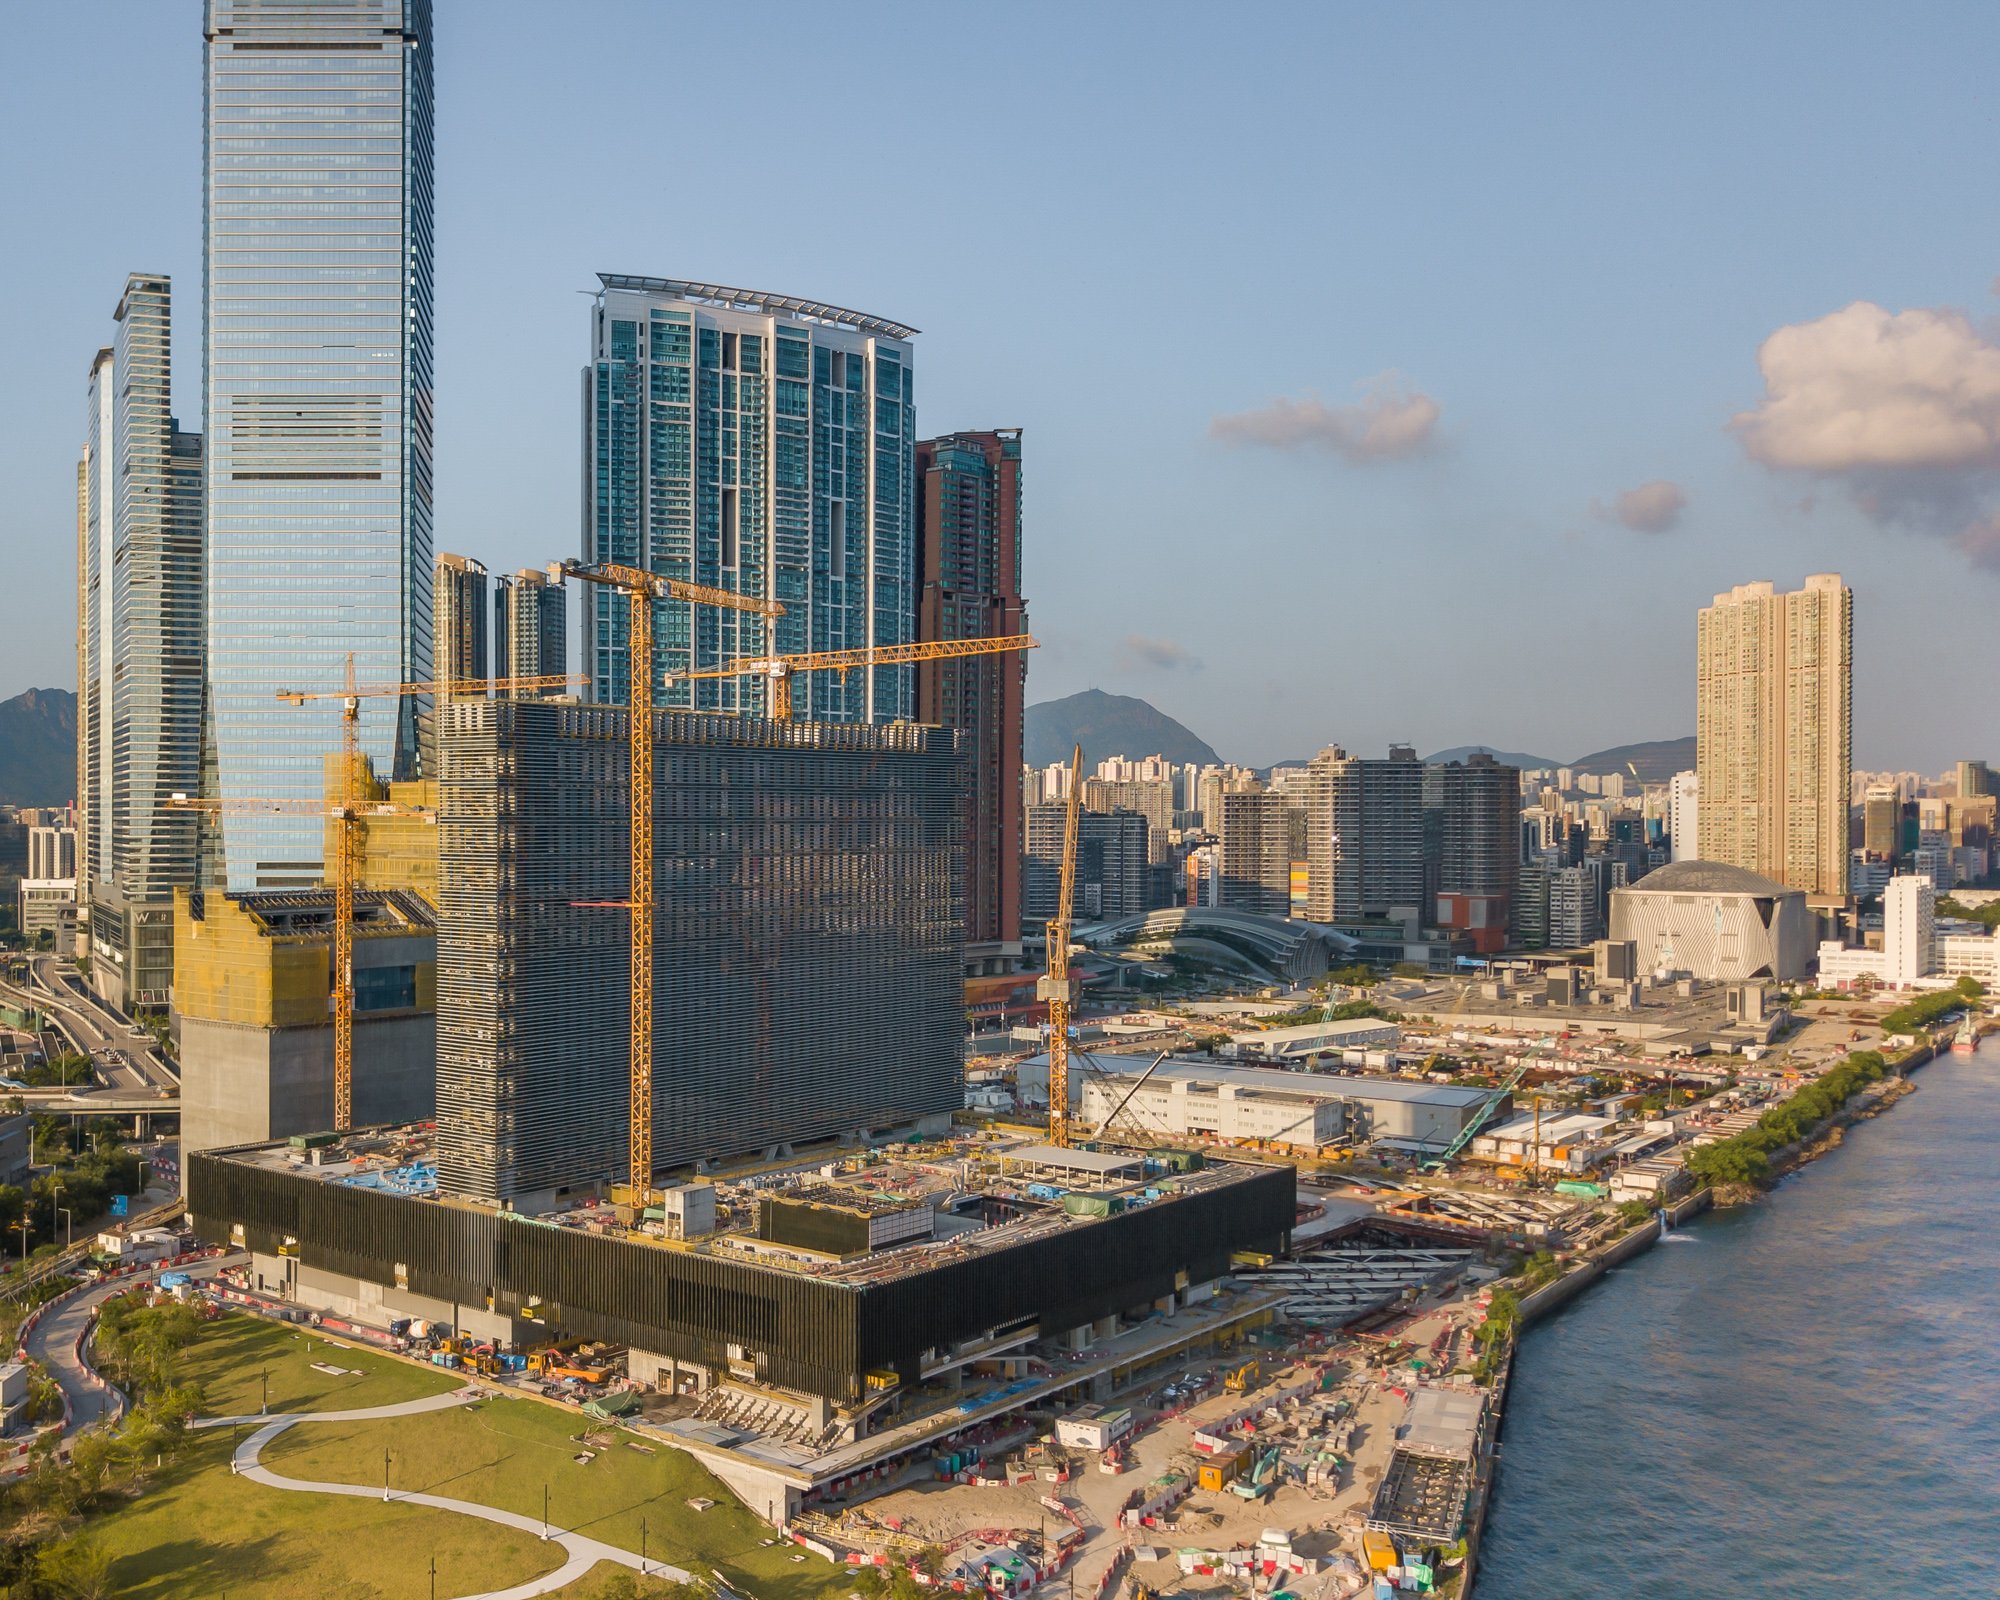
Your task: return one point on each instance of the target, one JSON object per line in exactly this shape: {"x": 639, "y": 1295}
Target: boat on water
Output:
{"x": 1966, "y": 1040}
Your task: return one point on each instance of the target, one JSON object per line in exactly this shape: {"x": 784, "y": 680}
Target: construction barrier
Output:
{"x": 1213, "y": 1438}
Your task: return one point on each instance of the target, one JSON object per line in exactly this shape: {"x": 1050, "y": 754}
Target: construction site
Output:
{"x": 801, "y": 1327}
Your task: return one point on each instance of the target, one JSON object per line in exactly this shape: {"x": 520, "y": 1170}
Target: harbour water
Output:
{"x": 1796, "y": 1398}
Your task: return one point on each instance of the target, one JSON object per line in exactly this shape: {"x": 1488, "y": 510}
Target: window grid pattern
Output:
{"x": 808, "y": 938}
{"x": 318, "y": 397}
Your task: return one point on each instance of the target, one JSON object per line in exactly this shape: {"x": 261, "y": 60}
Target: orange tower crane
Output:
{"x": 1054, "y": 987}
{"x": 346, "y": 840}
{"x": 643, "y": 588}
{"x": 780, "y": 670}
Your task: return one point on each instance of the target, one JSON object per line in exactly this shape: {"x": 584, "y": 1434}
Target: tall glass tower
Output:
{"x": 762, "y": 444}
{"x": 317, "y": 398}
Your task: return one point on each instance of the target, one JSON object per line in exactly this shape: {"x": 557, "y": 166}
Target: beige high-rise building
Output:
{"x": 1774, "y": 696}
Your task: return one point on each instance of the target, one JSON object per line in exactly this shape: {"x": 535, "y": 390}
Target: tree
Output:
{"x": 77, "y": 1571}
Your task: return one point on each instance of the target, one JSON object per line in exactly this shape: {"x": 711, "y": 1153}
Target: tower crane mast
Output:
{"x": 1054, "y": 988}
{"x": 642, "y": 588}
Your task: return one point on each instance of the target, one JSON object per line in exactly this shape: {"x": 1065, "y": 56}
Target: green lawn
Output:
{"x": 198, "y": 1532}
{"x": 231, "y": 1356}
{"x": 503, "y": 1452}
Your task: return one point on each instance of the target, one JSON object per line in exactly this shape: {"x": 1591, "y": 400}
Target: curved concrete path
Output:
{"x": 583, "y": 1552}
{"x": 52, "y": 1340}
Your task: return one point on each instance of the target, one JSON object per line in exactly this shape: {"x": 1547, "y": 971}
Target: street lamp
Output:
{"x": 69, "y": 1227}
{"x": 385, "y": 1473}
{"x": 265, "y": 1377}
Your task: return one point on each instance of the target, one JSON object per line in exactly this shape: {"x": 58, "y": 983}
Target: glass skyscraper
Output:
{"x": 139, "y": 704}
{"x": 761, "y": 444}
{"x": 317, "y": 210}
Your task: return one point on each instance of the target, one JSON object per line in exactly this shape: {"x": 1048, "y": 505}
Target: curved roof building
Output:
{"x": 1715, "y": 921}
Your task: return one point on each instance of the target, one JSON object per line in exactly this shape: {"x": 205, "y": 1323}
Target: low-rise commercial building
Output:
{"x": 1315, "y": 1039}
{"x": 1258, "y": 1105}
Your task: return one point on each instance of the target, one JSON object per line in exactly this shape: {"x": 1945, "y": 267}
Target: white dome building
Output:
{"x": 1719, "y": 923}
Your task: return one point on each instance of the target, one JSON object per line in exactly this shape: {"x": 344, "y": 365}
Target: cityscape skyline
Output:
{"x": 1688, "y": 513}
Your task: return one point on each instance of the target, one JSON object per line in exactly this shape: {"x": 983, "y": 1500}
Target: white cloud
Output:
{"x": 1651, "y": 508}
{"x": 1902, "y": 408}
{"x": 1136, "y": 651}
{"x": 1391, "y": 420}
{"x": 1868, "y": 389}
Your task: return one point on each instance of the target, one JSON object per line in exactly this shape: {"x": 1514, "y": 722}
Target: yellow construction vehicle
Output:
{"x": 1243, "y": 1378}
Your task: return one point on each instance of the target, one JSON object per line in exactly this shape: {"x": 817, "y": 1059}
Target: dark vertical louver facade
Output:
{"x": 808, "y": 938}
{"x": 969, "y": 571}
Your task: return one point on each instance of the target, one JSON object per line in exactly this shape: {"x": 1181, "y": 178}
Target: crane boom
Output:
{"x": 660, "y": 587}
{"x": 1055, "y": 987}
{"x": 1138, "y": 1083}
{"x": 780, "y": 670}
{"x": 1486, "y": 1109}
{"x": 447, "y": 686}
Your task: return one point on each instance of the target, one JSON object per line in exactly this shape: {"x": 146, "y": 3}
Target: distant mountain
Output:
{"x": 1108, "y": 725}
{"x": 1506, "y": 758}
{"x": 38, "y": 748}
{"x": 1655, "y": 761}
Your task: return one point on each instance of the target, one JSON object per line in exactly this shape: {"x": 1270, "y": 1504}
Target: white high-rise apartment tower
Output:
{"x": 1774, "y": 732}
{"x": 1684, "y": 816}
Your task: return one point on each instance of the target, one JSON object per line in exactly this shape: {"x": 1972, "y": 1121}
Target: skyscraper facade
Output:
{"x": 96, "y": 473}
{"x": 1111, "y": 870}
{"x": 140, "y": 704}
{"x": 1256, "y": 854}
{"x": 531, "y": 626}
{"x": 1774, "y": 733}
{"x": 808, "y": 935}
{"x": 317, "y": 374}
{"x": 968, "y": 545}
{"x": 1477, "y": 809}
{"x": 1365, "y": 847}
{"x": 1684, "y": 816}
{"x": 760, "y": 444}
{"x": 458, "y": 621}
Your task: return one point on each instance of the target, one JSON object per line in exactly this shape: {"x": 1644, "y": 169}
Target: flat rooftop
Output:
{"x": 1443, "y": 1422}
{"x": 976, "y": 1186}
{"x": 1276, "y": 1080}
{"x": 1345, "y": 1028}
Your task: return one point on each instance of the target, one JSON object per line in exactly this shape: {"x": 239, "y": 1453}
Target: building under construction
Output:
{"x": 817, "y": 1310}
{"x": 808, "y": 932}
{"x": 253, "y": 976}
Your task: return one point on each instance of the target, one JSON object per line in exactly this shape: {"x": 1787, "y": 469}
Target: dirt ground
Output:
{"x": 1319, "y": 1523}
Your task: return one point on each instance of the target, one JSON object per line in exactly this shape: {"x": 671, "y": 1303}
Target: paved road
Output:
{"x": 53, "y": 1343}
{"x": 96, "y": 1028}
{"x": 582, "y": 1551}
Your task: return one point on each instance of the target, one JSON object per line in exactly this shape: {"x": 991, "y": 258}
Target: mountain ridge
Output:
{"x": 1108, "y": 725}
{"x": 38, "y": 748}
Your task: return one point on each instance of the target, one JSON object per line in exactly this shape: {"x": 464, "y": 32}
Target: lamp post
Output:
{"x": 265, "y": 1378}
{"x": 69, "y": 1227}
{"x": 642, "y": 1547}
{"x": 385, "y": 1473}
{"x": 545, "y": 1513}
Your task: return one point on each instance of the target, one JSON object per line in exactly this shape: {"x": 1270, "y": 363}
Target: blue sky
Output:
{"x": 1567, "y": 229}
